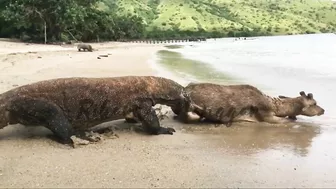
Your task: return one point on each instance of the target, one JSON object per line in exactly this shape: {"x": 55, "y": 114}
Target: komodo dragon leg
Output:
{"x": 145, "y": 113}
{"x": 34, "y": 111}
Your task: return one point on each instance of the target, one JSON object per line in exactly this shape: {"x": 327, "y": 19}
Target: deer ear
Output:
{"x": 302, "y": 93}
{"x": 281, "y": 96}
{"x": 310, "y": 95}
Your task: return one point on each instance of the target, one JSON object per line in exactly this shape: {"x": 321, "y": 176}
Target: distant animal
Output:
{"x": 232, "y": 103}
{"x": 69, "y": 106}
{"x": 84, "y": 47}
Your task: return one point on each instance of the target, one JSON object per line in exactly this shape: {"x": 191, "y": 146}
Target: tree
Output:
{"x": 55, "y": 20}
{"x": 52, "y": 15}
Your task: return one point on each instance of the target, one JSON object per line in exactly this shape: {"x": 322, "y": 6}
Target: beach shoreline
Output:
{"x": 195, "y": 156}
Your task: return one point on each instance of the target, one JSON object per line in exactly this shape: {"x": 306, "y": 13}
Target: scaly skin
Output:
{"x": 230, "y": 103}
{"x": 68, "y": 105}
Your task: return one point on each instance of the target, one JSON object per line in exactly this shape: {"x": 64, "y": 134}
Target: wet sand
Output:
{"x": 243, "y": 155}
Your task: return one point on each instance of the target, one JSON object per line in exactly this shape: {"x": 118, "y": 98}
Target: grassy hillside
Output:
{"x": 274, "y": 17}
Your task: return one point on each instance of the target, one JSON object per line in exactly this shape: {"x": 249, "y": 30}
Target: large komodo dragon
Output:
{"x": 231, "y": 103}
{"x": 68, "y": 106}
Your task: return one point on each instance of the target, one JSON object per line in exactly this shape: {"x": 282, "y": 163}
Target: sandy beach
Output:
{"x": 196, "y": 156}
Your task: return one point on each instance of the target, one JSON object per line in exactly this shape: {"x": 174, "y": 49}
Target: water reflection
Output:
{"x": 248, "y": 138}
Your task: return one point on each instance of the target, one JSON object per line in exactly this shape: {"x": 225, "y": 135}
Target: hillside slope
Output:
{"x": 264, "y": 16}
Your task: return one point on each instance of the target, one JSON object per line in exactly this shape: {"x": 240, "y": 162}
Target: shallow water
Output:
{"x": 283, "y": 65}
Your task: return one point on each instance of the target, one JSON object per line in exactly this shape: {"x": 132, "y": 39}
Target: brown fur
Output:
{"x": 86, "y": 102}
{"x": 225, "y": 104}
{"x": 84, "y": 47}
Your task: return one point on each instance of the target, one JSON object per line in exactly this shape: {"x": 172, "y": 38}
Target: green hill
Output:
{"x": 104, "y": 20}
{"x": 264, "y": 17}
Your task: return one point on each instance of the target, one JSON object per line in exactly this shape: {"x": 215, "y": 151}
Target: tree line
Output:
{"x": 53, "y": 20}
{"x": 48, "y": 21}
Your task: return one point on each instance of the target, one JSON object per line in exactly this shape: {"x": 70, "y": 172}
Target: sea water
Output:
{"x": 301, "y": 156}
{"x": 280, "y": 65}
